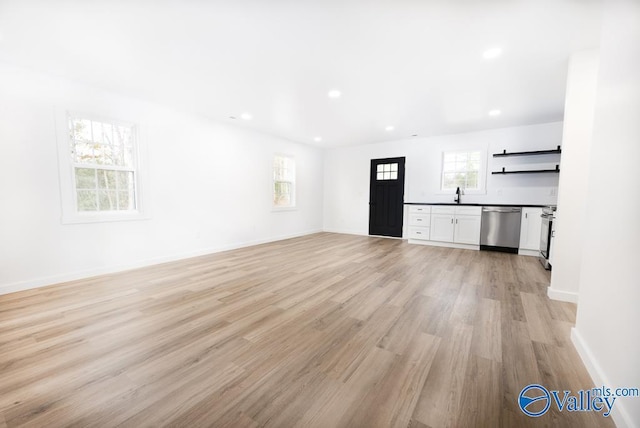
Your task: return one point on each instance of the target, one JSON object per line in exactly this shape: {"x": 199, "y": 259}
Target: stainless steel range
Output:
{"x": 546, "y": 234}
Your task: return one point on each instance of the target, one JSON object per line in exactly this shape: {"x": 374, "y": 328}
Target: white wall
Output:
{"x": 574, "y": 175}
{"x": 346, "y": 183}
{"x": 606, "y": 332}
{"x": 208, "y": 186}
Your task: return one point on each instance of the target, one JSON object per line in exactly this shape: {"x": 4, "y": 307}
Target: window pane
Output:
{"x": 125, "y": 200}
{"x": 102, "y": 154}
{"x": 387, "y": 167}
{"x": 380, "y": 176}
{"x": 83, "y": 153}
{"x": 106, "y": 179}
{"x": 96, "y": 132}
{"x": 117, "y": 155}
{"x": 449, "y": 166}
{"x": 472, "y": 180}
{"x": 107, "y": 133}
{"x": 107, "y": 200}
{"x": 394, "y": 175}
{"x": 387, "y": 175}
{"x": 379, "y": 168}
{"x": 124, "y": 180}
{"x": 87, "y": 200}
{"x": 449, "y": 157}
{"x": 282, "y": 193}
{"x": 448, "y": 181}
{"x": 81, "y": 130}
{"x": 85, "y": 178}
{"x": 394, "y": 167}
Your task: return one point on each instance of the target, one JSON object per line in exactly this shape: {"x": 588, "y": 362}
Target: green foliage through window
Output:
{"x": 284, "y": 179}
{"x": 461, "y": 169}
{"x": 102, "y": 154}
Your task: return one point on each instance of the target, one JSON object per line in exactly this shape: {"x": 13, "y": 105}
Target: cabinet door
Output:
{"x": 442, "y": 227}
{"x": 467, "y": 229}
{"x": 530, "y": 228}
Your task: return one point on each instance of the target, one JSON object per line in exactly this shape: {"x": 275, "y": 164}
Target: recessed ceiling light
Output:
{"x": 246, "y": 116}
{"x": 495, "y": 112}
{"x": 232, "y": 117}
{"x": 317, "y": 139}
{"x": 492, "y": 53}
{"x": 389, "y": 128}
{"x": 334, "y": 93}
{"x": 414, "y": 135}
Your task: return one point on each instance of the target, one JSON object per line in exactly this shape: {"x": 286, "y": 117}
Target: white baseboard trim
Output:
{"x": 445, "y": 244}
{"x": 532, "y": 253}
{"x": 346, "y": 232}
{"x": 619, "y": 414}
{"x": 563, "y": 296}
{"x": 56, "y": 279}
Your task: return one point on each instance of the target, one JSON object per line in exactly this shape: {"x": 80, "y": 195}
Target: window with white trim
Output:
{"x": 464, "y": 169}
{"x": 284, "y": 182}
{"x": 104, "y": 165}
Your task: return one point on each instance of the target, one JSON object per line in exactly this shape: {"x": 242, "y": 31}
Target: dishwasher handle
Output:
{"x": 501, "y": 210}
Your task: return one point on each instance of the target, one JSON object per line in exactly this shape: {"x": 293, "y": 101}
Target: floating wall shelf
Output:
{"x": 531, "y": 153}
{"x": 530, "y": 171}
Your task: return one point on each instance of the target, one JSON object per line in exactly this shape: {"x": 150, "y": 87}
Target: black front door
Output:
{"x": 386, "y": 197}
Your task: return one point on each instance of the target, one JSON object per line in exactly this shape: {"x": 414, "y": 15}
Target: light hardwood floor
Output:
{"x": 326, "y": 330}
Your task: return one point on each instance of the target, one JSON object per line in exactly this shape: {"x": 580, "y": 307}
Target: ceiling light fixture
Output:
{"x": 334, "y": 93}
{"x": 494, "y": 112}
{"x": 389, "y": 128}
{"x": 246, "y": 116}
{"x": 492, "y": 53}
{"x": 317, "y": 139}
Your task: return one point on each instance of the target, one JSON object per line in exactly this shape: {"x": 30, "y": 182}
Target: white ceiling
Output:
{"x": 416, "y": 65}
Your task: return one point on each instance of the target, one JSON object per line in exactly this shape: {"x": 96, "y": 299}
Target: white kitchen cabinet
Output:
{"x": 530, "y": 227}
{"x": 467, "y": 229}
{"x": 419, "y": 222}
{"x": 460, "y": 225}
{"x": 442, "y": 227}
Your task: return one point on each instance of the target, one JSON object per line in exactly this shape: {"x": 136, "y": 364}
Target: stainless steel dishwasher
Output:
{"x": 500, "y": 229}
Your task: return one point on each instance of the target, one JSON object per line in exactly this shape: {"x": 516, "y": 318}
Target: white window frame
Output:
{"x": 482, "y": 172}
{"x": 293, "y": 205}
{"x": 66, "y": 169}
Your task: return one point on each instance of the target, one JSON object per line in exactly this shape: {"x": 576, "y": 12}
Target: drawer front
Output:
{"x": 419, "y": 220}
{"x": 446, "y": 209}
{"x": 419, "y": 209}
{"x": 469, "y": 210}
{"x": 417, "y": 232}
